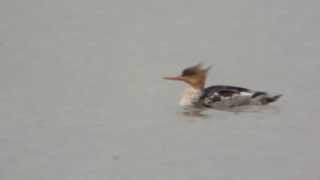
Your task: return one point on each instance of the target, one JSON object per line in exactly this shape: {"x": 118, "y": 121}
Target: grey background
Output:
{"x": 81, "y": 93}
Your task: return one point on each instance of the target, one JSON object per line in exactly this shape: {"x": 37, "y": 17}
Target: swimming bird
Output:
{"x": 196, "y": 95}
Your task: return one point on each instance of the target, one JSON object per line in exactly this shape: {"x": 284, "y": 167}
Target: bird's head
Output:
{"x": 195, "y": 76}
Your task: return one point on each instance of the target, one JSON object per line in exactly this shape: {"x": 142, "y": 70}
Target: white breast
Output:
{"x": 190, "y": 96}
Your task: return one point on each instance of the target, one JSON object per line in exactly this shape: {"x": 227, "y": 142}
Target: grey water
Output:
{"x": 82, "y": 94}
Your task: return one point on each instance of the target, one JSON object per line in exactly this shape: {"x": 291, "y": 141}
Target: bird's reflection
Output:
{"x": 202, "y": 114}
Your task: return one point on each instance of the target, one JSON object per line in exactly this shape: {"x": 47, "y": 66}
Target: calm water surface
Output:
{"x": 81, "y": 93}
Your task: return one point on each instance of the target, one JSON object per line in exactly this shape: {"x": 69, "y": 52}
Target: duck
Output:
{"x": 223, "y": 97}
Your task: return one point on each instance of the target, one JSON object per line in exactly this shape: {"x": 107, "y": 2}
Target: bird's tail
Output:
{"x": 264, "y": 98}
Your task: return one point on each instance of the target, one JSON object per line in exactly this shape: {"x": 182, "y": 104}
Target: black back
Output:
{"x": 223, "y": 90}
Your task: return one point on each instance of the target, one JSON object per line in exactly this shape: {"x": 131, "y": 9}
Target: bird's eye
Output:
{"x": 188, "y": 72}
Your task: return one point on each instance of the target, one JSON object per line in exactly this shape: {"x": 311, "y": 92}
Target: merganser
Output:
{"x": 218, "y": 96}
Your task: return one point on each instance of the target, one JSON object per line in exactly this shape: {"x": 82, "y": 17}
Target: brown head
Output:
{"x": 195, "y": 76}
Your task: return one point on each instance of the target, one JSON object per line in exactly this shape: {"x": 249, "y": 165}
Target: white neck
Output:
{"x": 190, "y": 96}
